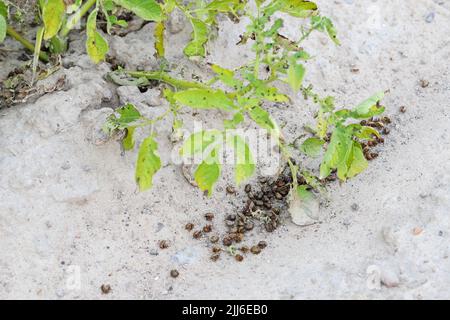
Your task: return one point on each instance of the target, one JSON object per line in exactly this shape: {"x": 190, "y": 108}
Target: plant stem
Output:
{"x": 27, "y": 44}
{"x": 164, "y": 77}
{"x": 76, "y": 17}
{"x": 292, "y": 166}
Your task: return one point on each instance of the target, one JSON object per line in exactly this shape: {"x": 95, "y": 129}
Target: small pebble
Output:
{"x": 174, "y": 273}
{"x": 424, "y": 83}
{"x": 214, "y": 239}
{"x": 430, "y": 17}
{"x": 355, "y": 207}
{"x": 402, "y": 109}
{"x": 417, "y": 231}
{"x": 248, "y": 188}
{"x": 238, "y": 257}
{"x": 389, "y": 278}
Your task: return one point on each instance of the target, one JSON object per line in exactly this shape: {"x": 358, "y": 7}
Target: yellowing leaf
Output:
{"x": 296, "y": 73}
{"x": 96, "y": 46}
{"x": 199, "y": 38}
{"x": 263, "y": 119}
{"x": 199, "y": 142}
{"x": 148, "y": 163}
{"x": 245, "y": 165}
{"x": 268, "y": 93}
{"x": 204, "y": 99}
{"x": 149, "y": 10}
{"x": 159, "y": 39}
{"x": 208, "y": 173}
{"x": 52, "y": 16}
{"x": 128, "y": 141}
{"x": 231, "y": 124}
{"x": 298, "y": 8}
{"x": 227, "y": 77}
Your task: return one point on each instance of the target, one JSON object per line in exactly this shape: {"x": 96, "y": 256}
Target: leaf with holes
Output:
{"x": 148, "y": 163}
{"x": 96, "y": 46}
{"x": 199, "y": 37}
{"x": 204, "y": 99}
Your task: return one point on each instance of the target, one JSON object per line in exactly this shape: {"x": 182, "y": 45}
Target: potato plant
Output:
{"x": 249, "y": 88}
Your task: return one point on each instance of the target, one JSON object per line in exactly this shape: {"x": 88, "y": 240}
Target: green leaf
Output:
{"x": 199, "y": 142}
{"x": 128, "y": 115}
{"x": 356, "y": 163}
{"x": 303, "y": 193}
{"x": 199, "y": 37}
{"x": 369, "y": 107}
{"x": 232, "y": 124}
{"x": 365, "y": 132}
{"x": 343, "y": 154}
{"x": 96, "y": 46}
{"x": 227, "y": 77}
{"x": 312, "y": 147}
{"x": 128, "y": 141}
{"x": 268, "y": 93}
{"x": 52, "y": 16}
{"x": 222, "y": 5}
{"x": 336, "y": 154}
{"x": 245, "y": 165}
{"x": 4, "y": 10}
{"x": 326, "y": 25}
{"x": 296, "y": 73}
{"x": 207, "y": 175}
{"x": 148, "y": 10}
{"x": 204, "y": 99}
{"x": 2, "y": 28}
{"x": 148, "y": 163}
{"x": 264, "y": 120}
{"x": 159, "y": 39}
{"x": 298, "y": 8}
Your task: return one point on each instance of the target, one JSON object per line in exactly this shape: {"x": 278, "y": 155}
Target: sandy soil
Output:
{"x": 71, "y": 218}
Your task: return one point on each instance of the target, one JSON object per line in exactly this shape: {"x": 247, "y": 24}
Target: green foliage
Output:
{"x": 149, "y": 10}
{"x": 312, "y": 147}
{"x": 147, "y": 164}
{"x": 250, "y": 89}
{"x": 96, "y": 46}
{"x": 3, "y": 23}
{"x": 3, "y": 27}
{"x": 52, "y": 16}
